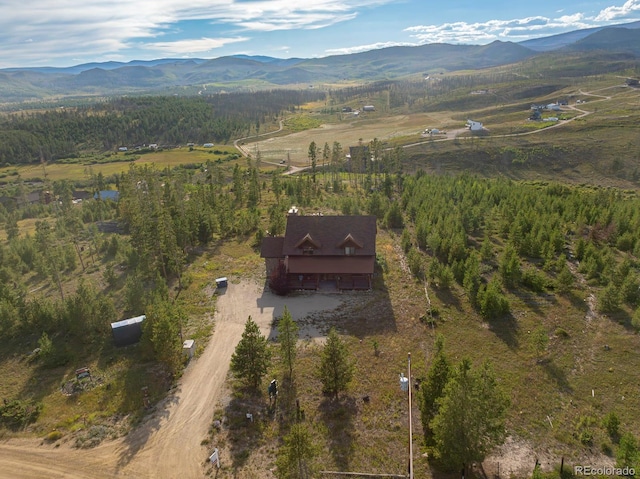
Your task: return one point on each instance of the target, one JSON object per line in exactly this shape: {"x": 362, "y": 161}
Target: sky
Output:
{"x": 35, "y": 33}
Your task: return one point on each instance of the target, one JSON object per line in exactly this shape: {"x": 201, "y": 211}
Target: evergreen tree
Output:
{"x": 288, "y": 338}
{"x": 627, "y": 454}
{"x": 313, "y": 159}
{"x": 336, "y": 369}
{"x": 294, "y": 458}
{"x": 509, "y": 267}
{"x": 471, "y": 416}
{"x": 252, "y": 356}
{"x": 163, "y": 326}
{"x": 432, "y": 389}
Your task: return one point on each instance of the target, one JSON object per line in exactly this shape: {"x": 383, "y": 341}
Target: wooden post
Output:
{"x": 410, "y": 420}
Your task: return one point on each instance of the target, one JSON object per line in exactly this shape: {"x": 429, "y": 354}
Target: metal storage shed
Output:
{"x": 127, "y": 331}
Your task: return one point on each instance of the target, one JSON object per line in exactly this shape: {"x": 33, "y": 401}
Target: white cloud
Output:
{"x": 514, "y": 29}
{"x": 364, "y": 48}
{"x": 77, "y": 28}
{"x": 613, "y": 13}
{"x": 185, "y": 47}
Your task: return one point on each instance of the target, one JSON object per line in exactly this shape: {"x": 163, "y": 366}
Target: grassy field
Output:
{"x": 85, "y": 167}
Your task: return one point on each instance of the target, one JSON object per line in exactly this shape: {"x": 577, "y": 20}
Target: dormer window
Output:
{"x": 308, "y": 245}
{"x": 349, "y": 243}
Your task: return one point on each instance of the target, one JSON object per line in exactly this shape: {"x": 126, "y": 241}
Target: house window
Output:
{"x": 349, "y": 250}
{"x": 307, "y": 250}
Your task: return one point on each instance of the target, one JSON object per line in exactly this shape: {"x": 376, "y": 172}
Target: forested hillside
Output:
{"x": 135, "y": 121}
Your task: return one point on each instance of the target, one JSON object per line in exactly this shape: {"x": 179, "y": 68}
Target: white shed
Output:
{"x": 474, "y": 125}
{"x": 189, "y": 348}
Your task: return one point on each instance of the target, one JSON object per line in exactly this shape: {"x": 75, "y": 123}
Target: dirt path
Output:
{"x": 168, "y": 443}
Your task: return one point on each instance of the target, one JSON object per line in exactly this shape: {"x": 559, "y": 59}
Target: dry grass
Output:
{"x": 77, "y": 171}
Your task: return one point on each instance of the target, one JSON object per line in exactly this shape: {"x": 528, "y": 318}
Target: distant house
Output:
{"x": 81, "y": 195}
{"x": 208, "y": 145}
{"x": 347, "y": 109}
{"x": 535, "y": 115}
{"x": 632, "y": 82}
{"x": 107, "y": 195}
{"x": 32, "y": 198}
{"x": 474, "y": 125}
{"x": 123, "y": 148}
{"x": 324, "y": 251}
{"x": 553, "y": 107}
{"x": 153, "y": 146}
{"x": 368, "y": 108}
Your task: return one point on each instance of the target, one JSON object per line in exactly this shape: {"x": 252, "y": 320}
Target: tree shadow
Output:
{"x": 446, "y": 296}
{"x": 506, "y": 328}
{"x": 246, "y": 415}
{"x": 360, "y": 313}
{"x": 535, "y": 301}
{"x": 338, "y": 416}
{"x": 146, "y": 426}
{"x": 558, "y": 375}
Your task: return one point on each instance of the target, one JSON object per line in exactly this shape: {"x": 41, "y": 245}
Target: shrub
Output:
{"x": 533, "y": 280}
{"x": 53, "y": 436}
{"x": 278, "y": 280}
{"x": 611, "y": 423}
{"x": 492, "y": 301}
{"x": 17, "y": 413}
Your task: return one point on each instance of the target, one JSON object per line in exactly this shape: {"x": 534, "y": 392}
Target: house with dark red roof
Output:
{"x": 331, "y": 251}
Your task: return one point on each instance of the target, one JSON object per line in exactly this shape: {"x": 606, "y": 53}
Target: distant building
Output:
{"x": 123, "y": 148}
{"x": 474, "y": 125}
{"x": 632, "y": 82}
{"x": 107, "y": 195}
{"x": 368, "y": 108}
{"x": 347, "y": 109}
{"x": 553, "y": 107}
{"x": 208, "y": 145}
{"x": 535, "y": 115}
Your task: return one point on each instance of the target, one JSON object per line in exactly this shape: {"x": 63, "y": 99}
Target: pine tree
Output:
{"x": 471, "y": 416}
{"x": 163, "y": 327}
{"x": 432, "y": 389}
{"x": 252, "y": 356}
{"x": 294, "y": 458}
{"x": 288, "y": 338}
{"x": 336, "y": 369}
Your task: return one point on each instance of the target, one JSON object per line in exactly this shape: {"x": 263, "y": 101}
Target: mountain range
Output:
{"x": 171, "y": 75}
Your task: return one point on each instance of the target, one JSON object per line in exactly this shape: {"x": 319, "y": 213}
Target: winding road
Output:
{"x": 168, "y": 444}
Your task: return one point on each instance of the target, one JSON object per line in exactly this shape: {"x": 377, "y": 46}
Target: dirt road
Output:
{"x": 168, "y": 443}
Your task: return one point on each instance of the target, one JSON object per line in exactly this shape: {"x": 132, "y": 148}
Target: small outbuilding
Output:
{"x": 474, "y": 125}
{"x": 127, "y": 331}
{"x": 189, "y": 348}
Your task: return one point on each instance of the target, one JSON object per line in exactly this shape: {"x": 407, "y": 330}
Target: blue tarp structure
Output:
{"x": 127, "y": 331}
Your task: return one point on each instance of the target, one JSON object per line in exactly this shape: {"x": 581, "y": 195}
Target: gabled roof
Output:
{"x": 308, "y": 240}
{"x": 349, "y": 240}
{"x": 331, "y": 234}
{"x": 271, "y": 247}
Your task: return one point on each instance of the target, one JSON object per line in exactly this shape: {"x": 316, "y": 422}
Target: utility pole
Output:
{"x": 410, "y": 420}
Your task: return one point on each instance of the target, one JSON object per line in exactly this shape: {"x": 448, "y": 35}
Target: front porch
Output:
{"x": 327, "y": 282}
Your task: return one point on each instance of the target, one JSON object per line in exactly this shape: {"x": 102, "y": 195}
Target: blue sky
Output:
{"x": 69, "y": 32}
